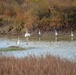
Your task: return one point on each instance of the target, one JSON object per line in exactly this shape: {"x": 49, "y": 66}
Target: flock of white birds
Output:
{"x": 27, "y": 34}
{"x": 56, "y": 33}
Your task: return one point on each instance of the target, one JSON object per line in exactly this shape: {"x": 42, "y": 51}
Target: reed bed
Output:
{"x": 32, "y": 65}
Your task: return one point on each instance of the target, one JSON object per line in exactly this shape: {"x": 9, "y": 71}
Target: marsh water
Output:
{"x": 64, "y": 47}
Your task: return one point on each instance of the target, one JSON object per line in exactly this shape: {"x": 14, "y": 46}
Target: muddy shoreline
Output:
{"x": 43, "y": 34}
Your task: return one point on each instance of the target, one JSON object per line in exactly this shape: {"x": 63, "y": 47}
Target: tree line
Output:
{"x": 17, "y": 15}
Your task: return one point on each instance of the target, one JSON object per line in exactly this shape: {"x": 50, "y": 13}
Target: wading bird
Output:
{"x": 18, "y": 41}
{"x": 39, "y": 32}
{"x": 56, "y": 33}
{"x": 27, "y": 34}
{"x": 72, "y": 34}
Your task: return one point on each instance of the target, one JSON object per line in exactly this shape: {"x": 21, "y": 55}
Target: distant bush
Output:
{"x": 10, "y": 28}
{"x": 35, "y": 14}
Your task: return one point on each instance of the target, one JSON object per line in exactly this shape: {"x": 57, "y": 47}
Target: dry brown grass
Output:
{"x": 36, "y": 66}
{"x": 18, "y": 15}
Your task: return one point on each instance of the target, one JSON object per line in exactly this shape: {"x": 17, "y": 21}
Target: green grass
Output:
{"x": 12, "y": 48}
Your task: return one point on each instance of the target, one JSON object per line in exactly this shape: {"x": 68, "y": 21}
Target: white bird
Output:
{"x": 27, "y": 34}
{"x": 72, "y": 34}
{"x": 18, "y": 41}
{"x": 56, "y": 33}
{"x": 39, "y": 32}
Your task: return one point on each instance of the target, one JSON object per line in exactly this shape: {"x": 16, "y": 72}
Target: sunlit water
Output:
{"x": 40, "y": 46}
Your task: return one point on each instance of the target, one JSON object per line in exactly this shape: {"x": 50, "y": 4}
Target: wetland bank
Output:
{"x": 46, "y": 53}
{"x": 65, "y": 47}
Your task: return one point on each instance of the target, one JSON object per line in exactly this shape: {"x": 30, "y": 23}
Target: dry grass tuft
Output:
{"x": 36, "y": 66}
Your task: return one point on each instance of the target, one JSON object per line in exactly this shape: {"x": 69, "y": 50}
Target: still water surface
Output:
{"x": 56, "y": 46}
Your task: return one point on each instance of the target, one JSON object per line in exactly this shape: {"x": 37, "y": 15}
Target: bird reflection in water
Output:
{"x": 56, "y": 39}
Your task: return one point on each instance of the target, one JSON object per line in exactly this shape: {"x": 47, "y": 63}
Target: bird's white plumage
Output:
{"x": 18, "y": 41}
{"x": 27, "y": 34}
{"x": 56, "y": 33}
{"x": 39, "y": 32}
{"x": 72, "y": 33}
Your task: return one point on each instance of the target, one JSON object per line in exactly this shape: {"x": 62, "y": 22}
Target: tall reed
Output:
{"x": 48, "y": 65}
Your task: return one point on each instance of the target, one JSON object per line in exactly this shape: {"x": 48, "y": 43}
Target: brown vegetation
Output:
{"x": 47, "y": 15}
{"x": 36, "y": 66}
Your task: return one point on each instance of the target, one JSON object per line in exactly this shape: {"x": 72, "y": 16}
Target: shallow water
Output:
{"x": 56, "y": 46}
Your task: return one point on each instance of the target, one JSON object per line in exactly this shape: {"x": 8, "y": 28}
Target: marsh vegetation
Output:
{"x": 32, "y": 65}
{"x": 11, "y": 48}
{"x": 16, "y": 16}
